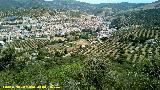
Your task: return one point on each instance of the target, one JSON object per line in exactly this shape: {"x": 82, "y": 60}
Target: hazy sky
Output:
{"x": 117, "y": 1}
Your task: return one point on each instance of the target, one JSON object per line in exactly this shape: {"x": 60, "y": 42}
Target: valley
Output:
{"x": 79, "y": 46}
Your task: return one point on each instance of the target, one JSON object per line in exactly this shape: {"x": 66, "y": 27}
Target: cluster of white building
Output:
{"x": 49, "y": 26}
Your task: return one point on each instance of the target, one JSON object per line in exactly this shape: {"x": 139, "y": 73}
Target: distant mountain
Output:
{"x": 9, "y": 4}
{"x": 31, "y": 3}
{"x": 148, "y": 18}
{"x": 55, "y": 4}
{"x": 120, "y": 6}
{"x": 153, "y": 5}
{"x": 69, "y": 4}
{"x": 115, "y": 7}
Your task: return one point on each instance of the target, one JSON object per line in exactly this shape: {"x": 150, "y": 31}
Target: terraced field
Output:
{"x": 28, "y": 44}
{"x": 131, "y": 45}
{"x": 128, "y": 44}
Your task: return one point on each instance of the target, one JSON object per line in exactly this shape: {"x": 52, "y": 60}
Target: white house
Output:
{"x": 2, "y": 43}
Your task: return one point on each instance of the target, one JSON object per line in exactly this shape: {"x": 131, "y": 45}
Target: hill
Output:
{"x": 153, "y": 5}
{"x": 55, "y": 4}
{"x": 131, "y": 56}
{"x": 128, "y": 60}
{"x": 68, "y": 4}
{"x": 9, "y": 4}
{"x": 147, "y": 18}
{"x": 120, "y": 6}
{"x": 114, "y": 8}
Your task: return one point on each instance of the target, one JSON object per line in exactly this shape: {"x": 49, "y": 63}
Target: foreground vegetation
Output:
{"x": 127, "y": 62}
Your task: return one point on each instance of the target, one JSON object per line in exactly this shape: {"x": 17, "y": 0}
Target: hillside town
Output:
{"x": 13, "y": 28}
{"x": 79, "y": 45}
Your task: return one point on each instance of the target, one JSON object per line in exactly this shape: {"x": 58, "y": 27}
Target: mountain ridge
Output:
{"x": 73, "y": 4}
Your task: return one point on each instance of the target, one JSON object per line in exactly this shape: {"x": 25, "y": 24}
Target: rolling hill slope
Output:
{"x": 67, "y": 4}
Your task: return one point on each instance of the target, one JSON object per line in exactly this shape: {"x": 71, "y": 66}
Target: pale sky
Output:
{"x": 114, "y": 1}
